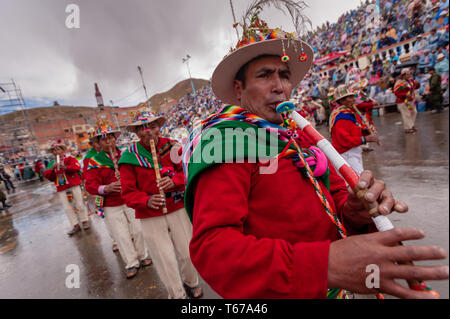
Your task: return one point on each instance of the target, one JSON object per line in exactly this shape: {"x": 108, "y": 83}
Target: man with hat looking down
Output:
{"x": 167, "y": 231}
{"x": 91, "y": 199}
{"x": 103, "y": 180}
{"x": 349, "y": 129}
{"x": 262, "y": 233}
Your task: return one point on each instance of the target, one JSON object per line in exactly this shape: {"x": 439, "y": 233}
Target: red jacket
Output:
{"x": 345, "y": 135}
{"x": 403, "y": 88}
{"x": 366, "y": 107}
{"x": 139, "y": 183}
{"x": 38, "y": 167}
{"x": 70, "y": 172}
{"x": 97, "y": 177}
{"x": 263, "y": 236}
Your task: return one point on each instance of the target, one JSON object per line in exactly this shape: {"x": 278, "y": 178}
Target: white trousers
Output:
{"x": 123, "y": 225}
{"x": 408, "y": 116}
{"x": 91, "y": 209}
{"x": 165, "y": 234}
{"x": 354, "y": 158}
{"x": 79, "y": 203}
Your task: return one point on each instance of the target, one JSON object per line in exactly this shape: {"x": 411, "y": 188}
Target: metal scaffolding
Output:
{"x": 15, "y": 134}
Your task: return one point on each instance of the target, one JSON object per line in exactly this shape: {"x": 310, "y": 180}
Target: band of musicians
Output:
{"x": 302, "y": 221}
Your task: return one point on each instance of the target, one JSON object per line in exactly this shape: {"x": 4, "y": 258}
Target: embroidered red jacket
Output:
{"x": 139, "y": 183}
{"x": 103, "y": 176}
{"x": 345, "y": 133}
{"x": 264, "y": 235}
{"x": 71, "y": 172}
{"x": 404, "y": 88}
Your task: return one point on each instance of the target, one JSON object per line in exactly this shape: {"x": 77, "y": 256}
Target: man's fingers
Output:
{"x": 400, "y": 207}
{"x": 413, "y": 272}
{"x": 157, "y": 201}
{"x": 374, "y": 192}
{"x": 394, "y": 289}
{"x": 387, "y": 202}
{"x": 365, "y": 179}
{"x": 393, "y": 236}
{"x": 412, "y": 253}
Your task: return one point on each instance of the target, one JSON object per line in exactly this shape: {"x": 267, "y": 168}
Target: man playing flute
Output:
{"x": 261, "y": 233}
{"x": 64, "y": 172}
{"x": 166, "y": 234}
{"x": 103, "y": 180}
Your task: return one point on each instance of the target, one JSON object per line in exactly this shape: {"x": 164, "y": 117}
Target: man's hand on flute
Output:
{"x": 349, "y": 258}
{"x": 355, "y": 212}
{"x": 165, "y": 183}
{"x": 156, "y": 201}
{"x": 373, "y": 138}
{"x": 114, "y": 187}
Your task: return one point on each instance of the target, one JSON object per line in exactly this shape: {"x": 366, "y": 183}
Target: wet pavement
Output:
{"x": 35, "y": 250}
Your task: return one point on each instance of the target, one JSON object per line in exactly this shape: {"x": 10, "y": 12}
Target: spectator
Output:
{"x": 441, "y": 65}
{"x": 417, "y": 28}
{"x": 4, "y": 176}
{"x": 385, "y": 41}
{"x": 394, "y": 64}
{"x": 426, "y": 61}
{"x": 377, "y": 66}
{"x": 443, "y": 38}
{"x": 433, "y": 40}
{"x": 391, "y": 32}
{"x": 429, "y": 24}
{"x": 392, "y": 56}
{"x": 403, "y": 22}
{"x": 440, "y": 50}
{"x": 418, "y": 48}
{"x": 435, "y": 98}
{"x": 338, "y": 78}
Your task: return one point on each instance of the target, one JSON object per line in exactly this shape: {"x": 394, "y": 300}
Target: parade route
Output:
{"x": 35, "y": 250}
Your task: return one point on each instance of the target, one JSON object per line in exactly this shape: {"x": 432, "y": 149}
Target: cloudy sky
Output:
{"x": 52, "y": 62}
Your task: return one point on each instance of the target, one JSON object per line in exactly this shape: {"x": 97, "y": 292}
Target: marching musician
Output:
{"x": 166, "y": 234}
{"x": 349, "y": 130}
{"x": 103, "y": 181}
{"x": 261, "y": 233}
{"x": 95, "y": 148}
{"x": 64, "y": 172}
{"x": 307, "y": 109}
{"x": 404, "y": 90}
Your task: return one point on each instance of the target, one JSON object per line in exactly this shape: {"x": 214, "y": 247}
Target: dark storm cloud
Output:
{"x": 52, "y": 62}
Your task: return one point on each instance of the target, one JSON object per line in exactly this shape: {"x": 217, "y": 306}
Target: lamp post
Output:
{"x": 147, "y": 102}
{"x": 186, "y": 60}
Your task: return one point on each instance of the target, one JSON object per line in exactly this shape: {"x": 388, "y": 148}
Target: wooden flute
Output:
{"x": 58, "y": 161}
{"x": 157, "y": 173}
{"x": 116, "y": 167}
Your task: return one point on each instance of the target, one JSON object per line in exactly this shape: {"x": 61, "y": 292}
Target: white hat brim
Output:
{"x": 222, "y": 81}
{"x": 116, "y": 134}
{"x": 133, "y": 126}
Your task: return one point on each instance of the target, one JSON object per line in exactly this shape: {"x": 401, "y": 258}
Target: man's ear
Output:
{"x": 237, "y": 88}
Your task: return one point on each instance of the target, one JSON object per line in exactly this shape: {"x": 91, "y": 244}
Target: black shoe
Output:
{"x": 74, "y": 230}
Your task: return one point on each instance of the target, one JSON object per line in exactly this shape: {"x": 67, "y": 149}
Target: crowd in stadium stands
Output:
{"x": 190, "y": 107}
{"x": 359, "y": 33}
